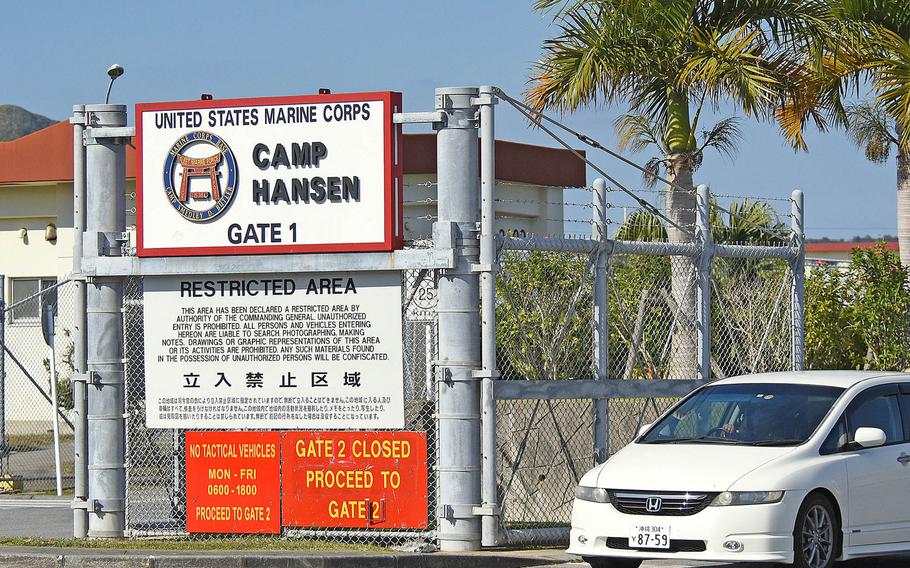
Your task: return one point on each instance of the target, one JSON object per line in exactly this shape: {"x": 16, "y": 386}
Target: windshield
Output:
{"x": 746, "y": 414}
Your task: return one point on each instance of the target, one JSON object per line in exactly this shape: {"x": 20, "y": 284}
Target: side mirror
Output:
{"x": 643, "y": 429}
{"x": 869, "y": 437}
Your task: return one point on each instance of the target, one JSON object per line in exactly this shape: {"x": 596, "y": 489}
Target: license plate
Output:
{"x": 650, "y": 536}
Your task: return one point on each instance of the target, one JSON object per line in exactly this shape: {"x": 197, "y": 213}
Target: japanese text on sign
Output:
{"x": 253, "y": 352}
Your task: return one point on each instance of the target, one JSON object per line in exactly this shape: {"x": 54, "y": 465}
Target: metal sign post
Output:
{"x": 459, "y": 322}
{"x": 47, "y": 329}
{"x": 798, "y": 284}
{"x": 3, "y": 449}
{"x": 105, "y": 223}
{"x": 80, "y": 432}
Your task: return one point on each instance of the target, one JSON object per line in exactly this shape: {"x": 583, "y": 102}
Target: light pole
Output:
{"x": 113, "y": 72}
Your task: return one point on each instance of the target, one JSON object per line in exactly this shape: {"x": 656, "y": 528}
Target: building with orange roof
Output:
{"x": 36, "y": 230}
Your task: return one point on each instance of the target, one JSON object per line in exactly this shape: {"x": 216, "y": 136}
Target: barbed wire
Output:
{"x": 526, "y": 111}
{"x": 535, "y": 202}
{"x": 752, "y": 197}
{"x": 564, "y": 220}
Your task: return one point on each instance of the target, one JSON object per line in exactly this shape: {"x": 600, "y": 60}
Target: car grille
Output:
{"x": 672, "y": 504}
{"x": 678, "y": 545}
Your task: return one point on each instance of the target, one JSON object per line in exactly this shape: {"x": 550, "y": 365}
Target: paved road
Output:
{"x": 46, "y": 517}
{"x": 892, "y": 562}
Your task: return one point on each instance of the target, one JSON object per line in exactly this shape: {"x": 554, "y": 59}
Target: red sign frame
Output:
{"x": 247, "y": 491}
{"x": 393, "y": 231}
{"x": 382, "y": 485}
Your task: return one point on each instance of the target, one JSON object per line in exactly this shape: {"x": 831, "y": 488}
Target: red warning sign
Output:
{"x": 354, "y": 479}
{"x": 232, "y": 482}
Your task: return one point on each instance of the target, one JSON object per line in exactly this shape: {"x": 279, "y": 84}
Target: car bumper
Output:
{"x": 764, "y": 531}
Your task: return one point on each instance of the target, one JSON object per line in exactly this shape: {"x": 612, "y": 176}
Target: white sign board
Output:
{"x": 282, "y": 175}
{"x": 308, "y": 351}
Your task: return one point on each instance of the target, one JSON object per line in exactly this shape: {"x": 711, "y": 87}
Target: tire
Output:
{"x": 611, "y": 562}
{"x": 816, "y": 534}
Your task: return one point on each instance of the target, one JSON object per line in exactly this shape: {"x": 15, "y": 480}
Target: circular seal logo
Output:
{"x": 200, "y": 176}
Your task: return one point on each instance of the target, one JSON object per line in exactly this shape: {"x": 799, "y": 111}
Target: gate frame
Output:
{"x": 465, "y": 248}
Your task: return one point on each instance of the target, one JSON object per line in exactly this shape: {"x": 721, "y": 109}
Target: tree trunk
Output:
{"x": 903, "y": 203}
{"x": 680, "y": 209}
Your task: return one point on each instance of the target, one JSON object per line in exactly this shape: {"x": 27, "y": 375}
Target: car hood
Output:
{"x": 686, "y": 467}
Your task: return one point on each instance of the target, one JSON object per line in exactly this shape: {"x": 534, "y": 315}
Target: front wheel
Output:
{"x": 611, "y": 562}
{"x": 815, "y": 534}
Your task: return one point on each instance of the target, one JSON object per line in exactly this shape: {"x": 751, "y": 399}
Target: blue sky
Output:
{"x": 54, "y": 55}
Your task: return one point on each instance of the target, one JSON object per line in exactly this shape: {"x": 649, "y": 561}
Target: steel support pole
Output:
{"x": 105, "y": 219}
{"x": 459, "y": 323}
{"x": 489, "y": 372}
{"x": 703, "y": 277}
{"x": 80, "y": 432}
{"x": 601, "y": 336}
{"x": 798, "y": 280}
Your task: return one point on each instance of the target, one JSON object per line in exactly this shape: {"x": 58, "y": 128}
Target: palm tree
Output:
{"x": 664, "y": 57}
{"x": 872, "y": 129}
{"x": 870, "y": 46}
{"x": 744, "y": 296}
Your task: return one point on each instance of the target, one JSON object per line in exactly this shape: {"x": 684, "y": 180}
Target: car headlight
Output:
{"x": 595, "y": 494}
{"x": 746, "y": 498}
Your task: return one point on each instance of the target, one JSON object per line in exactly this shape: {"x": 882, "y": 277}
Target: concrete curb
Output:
{"x": 107, "y": 558}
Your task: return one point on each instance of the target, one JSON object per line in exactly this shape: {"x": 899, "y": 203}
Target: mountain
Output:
{"x": 16, "y": 122}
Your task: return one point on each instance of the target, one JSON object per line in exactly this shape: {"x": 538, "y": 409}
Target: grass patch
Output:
{"x": 246, "y": 543}
{"x": 31, "y": 442}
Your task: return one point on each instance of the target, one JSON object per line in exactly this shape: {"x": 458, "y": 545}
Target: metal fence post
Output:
{"x": 3, "y": 315}
{"x": 601, "y": 337}
{"x": 80, "y": 438}
{"x": 489, "y": 372}
{"x": 105, "y": 222}
{"x": 798, "y": 281}
{"x": 459, "y": 322}
{"x": 703, "y": 276}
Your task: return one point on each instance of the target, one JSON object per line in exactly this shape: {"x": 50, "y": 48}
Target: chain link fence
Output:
{"x": 26, "y": 412}
{"x": 156, "y": 494}
{"x": 545, "y": 314}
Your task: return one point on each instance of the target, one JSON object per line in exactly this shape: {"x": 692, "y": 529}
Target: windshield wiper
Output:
{"x": 785, "y": 442}
{"x": 697, "y": 440}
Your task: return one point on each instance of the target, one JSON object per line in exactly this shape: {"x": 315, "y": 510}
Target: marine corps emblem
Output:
{"x": 200, "y": 176}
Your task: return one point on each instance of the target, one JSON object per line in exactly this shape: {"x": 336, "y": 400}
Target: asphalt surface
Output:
{"x": 46, "y": 517}
{"x": 51, "y": 517}
{"x": 889, "y": 562}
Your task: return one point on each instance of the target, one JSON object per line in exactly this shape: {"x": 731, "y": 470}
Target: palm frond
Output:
{"x": 869, "y": 128}
{"x": 589, "y": 63}
{"x": 642, "y": 226}
{"x": 891, "y": 70}
{"x": 652, "y": 170}
{"x": 784, "y": 22}
{"x": 746, "y": 221}
{"x": 635, "y": 132}
{"x": 731, "y": 64}
{"x": 724, "y": 137}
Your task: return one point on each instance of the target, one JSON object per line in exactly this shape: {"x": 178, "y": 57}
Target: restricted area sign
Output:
{"x": 354, "y": 479}
{"x": 270, "y": 175}
{"x": 312, "y": 351}
{"x": 232, "y": 482}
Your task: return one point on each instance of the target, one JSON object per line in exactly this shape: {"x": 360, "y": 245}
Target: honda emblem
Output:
{"x": 653, "y": 505}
